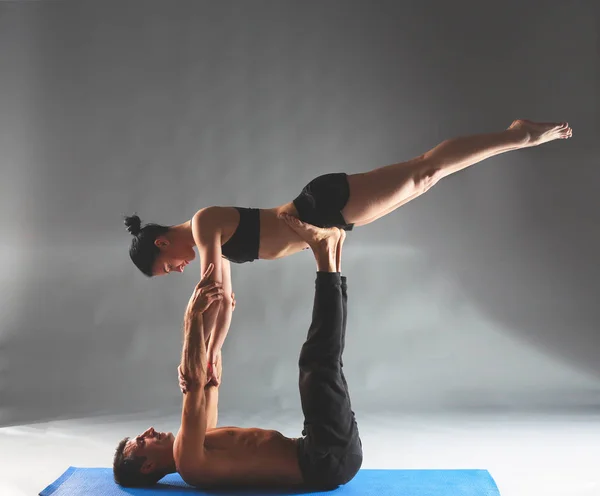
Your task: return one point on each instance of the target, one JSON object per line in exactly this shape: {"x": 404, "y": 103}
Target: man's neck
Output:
{"x": 170, "y": 466}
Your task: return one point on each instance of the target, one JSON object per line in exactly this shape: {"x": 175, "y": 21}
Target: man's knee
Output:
{"x": 314, "y": 359}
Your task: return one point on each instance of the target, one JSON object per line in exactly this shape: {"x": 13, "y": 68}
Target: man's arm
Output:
{"x": 189, "y": 445}
{"x": 211, "y": 392}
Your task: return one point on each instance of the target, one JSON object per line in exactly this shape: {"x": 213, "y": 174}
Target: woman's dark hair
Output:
{"x": 143, "y": 251}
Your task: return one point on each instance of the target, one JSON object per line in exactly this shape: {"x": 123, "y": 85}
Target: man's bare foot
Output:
{"x": 536, "y": 133}
{"x": 338, "y": 252}
{"x": 324, "y": 242}
{"x": 318, "y": 238}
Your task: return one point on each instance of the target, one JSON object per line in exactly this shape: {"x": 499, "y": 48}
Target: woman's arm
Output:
{"x": 223, "y": 321}
{"x": 207, "y": 235}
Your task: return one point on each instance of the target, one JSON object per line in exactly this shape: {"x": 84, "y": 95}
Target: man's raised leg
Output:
{"x": 331, "y": 452}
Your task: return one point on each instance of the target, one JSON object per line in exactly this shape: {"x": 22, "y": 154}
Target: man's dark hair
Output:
{"x": 127, "y": 470}
{"x": 143, "y": 251}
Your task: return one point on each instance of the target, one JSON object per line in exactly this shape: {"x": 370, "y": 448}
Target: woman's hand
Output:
{"x": 214, "y": 369}
{"x": 214, "y": 365}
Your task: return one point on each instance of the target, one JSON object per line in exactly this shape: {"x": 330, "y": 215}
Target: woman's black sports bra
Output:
{"x": 244, "y": 243}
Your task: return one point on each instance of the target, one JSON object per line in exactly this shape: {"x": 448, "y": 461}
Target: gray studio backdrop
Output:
{"x": 482, "y": 294}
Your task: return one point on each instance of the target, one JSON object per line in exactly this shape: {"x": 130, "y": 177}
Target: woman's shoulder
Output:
{"x": 215, "y": 219}
{"x": 207, "y": 213}
{"x": 215, "y": 214}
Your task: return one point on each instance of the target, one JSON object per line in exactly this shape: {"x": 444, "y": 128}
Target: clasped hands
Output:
{"x": 213, "y": 380}
{"x": 205, "y": 294}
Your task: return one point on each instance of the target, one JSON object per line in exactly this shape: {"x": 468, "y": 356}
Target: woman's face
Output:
{"x": 173, "y": 257}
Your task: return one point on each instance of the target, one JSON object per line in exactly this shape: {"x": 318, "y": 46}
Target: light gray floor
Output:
{"x": 526, "y": 455}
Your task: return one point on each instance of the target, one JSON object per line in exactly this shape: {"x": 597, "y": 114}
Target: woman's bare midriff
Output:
{"x": 277, "y": 240}
{"x": 249, "y": 457}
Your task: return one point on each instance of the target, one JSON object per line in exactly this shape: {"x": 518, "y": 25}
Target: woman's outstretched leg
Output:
{"x": 378, "y": 192}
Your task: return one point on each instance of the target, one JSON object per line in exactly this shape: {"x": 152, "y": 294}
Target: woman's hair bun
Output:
{"x": 133, "y": 224}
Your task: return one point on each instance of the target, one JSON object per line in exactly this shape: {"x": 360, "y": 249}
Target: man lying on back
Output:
{"x": 328, "y": 454}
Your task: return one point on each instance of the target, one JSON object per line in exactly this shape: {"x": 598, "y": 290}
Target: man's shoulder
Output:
{"x": 202, "y": 473}
{"x": 192, "y": 471}
{"x": 190, "y": 463}
{"x": 204, "y": 467}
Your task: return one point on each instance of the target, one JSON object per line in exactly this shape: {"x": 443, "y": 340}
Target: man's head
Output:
{"x": 158, "y": 250}
{"x": 145, "y": 459}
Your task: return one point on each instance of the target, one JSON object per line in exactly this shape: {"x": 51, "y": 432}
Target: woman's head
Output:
{"x": 158, "y": 250}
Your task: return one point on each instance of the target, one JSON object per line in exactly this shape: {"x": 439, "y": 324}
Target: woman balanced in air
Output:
{"x": 235, "y": 234}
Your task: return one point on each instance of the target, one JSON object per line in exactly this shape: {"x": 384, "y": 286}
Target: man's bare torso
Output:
{"x": 249, "y": 457}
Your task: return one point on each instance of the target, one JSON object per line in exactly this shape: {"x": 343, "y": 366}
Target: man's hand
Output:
{"x": 214, "y": 379}
{"x": 205, "y": 293}
{"x": 183, "y": 383}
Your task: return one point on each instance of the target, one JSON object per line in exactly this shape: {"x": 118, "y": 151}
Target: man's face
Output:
{"x": 157, "y": 447}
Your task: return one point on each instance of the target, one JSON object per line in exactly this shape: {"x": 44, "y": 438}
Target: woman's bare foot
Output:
{"x": 536, "y": 133}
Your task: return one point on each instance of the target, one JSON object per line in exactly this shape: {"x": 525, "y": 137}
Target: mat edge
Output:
{"x": 54, "y": 486}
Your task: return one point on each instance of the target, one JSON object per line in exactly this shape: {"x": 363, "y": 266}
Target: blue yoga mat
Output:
{"x": 92, "y": 481}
